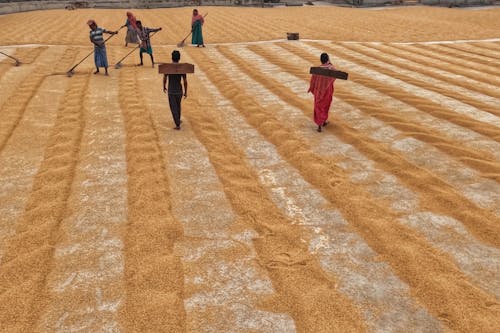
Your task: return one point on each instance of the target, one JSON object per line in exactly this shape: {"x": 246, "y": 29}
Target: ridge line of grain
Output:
{"x": 462, "y": 49}
{"x": 372, "y": 52}
{"x": 482, "y": 161}
{"x": 29, "y": 254}
{"x": 431, "y": 63}
{"x": 395, "y": 92}
{"x": 153, "y": 275}
{"x": 421, "y": 103}
{"x": 453, "y": 57}
{"x": 13, "y": 108}
{"x": 418, "y": 82}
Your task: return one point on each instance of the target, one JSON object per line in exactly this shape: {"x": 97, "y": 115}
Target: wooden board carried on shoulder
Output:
{"x": 329, "y": 72}
{"x": 176, "y": 68}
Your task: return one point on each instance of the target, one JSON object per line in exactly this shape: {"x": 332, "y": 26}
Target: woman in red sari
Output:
{"x": 322, "y": 89}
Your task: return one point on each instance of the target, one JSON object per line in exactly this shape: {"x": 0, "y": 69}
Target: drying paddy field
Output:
{"x": 247, "y": 219}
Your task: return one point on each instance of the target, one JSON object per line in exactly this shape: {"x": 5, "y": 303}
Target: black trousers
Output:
{"x": 174, "y": 100}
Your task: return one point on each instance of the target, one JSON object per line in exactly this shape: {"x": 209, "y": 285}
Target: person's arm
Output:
{"x": 184, "y": 80}
{"x": 155, "y": 30}
{"x": 165, "y": 83}
{"x": 110, "y": 32}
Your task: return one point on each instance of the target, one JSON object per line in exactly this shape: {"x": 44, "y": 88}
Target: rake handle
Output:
{"x": 5, "y": 54}
{"x": 135, "y": 48}
{"x": 88, "y": 55}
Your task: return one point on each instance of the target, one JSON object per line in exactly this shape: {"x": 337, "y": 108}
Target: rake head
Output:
{"x": 69, "y": 73}
{"x": 118, "y": 65}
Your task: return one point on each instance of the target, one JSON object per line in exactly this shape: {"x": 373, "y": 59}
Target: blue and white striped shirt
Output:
{"x": 96, "y": 35}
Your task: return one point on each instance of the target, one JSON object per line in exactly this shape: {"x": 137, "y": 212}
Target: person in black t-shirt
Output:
{"x": 175, "y": 91}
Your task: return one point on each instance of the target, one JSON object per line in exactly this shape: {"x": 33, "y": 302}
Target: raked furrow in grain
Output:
{"x": 86, "y": 284}
{"x": 30, "y": 136}
{"x": 153, "y": 274}
{"x": 460, "y": 58}
{"x": 14, "y": 107}
{"x": 469, "y": 70}
{"x": 23, "y": 154}
{"x": 408, "y": 94}
{"x": 26, "y": 55}
{"x": 28, "y": 256}
{"x": 424, "y": 78}
{"x": 488, "y": 47}
{"x": 483, "y": 192}
{"x": 475, "y": 150}
{"x": 489, "y": 58}
{"x": 478, "y": 48}
{"x": 407, "y": 82}
{"x": 416, "y": 262}
{"x": 459, "y": 76}
{"x": 386, "y": 185}
{"x": 224, "y": 286}
{"x": 448, "y": 60}
{"x": 12, "y": 76}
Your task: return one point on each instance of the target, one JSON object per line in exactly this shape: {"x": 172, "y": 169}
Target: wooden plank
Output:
{"x": 329, "y": 72}
{"x": 176, "y": 68}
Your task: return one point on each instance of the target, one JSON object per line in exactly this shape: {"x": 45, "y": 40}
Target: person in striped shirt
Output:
{"x": 96, "y": 37}
{"x": 145, "y": 41}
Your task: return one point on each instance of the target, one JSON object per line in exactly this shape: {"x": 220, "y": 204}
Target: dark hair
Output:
{"x": 138, "y": 22}
{"x": 176, "y": 55}
{"x": 324, "y": 58}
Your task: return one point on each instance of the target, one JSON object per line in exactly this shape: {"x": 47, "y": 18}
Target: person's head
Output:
{"x": 129, "y": 14}
{"x": 91, "y": 23}
{"x": 195, "y": 12}
{"x": 176, "y": 56}
{"x": 324, "y": 58}
{"x": 139, "y": 24}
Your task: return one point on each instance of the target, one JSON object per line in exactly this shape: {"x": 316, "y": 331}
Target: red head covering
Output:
{"x": 132, "y": 19}
{"x": 90, "y": 22}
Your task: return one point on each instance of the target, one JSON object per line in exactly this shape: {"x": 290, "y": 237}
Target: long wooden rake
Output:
{"x": 18, "y": 63}
{"x": 119, "y": 63}
{"x": 70, "y": 72}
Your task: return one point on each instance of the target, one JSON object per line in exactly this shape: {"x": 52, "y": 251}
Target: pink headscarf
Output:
{"x": 196, "y": 18}
{"x": 90, "y": 22}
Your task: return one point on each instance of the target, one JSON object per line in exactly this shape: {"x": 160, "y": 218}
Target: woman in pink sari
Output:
{"x": 196, "y": 28}
{"x": 322, "y": 89}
